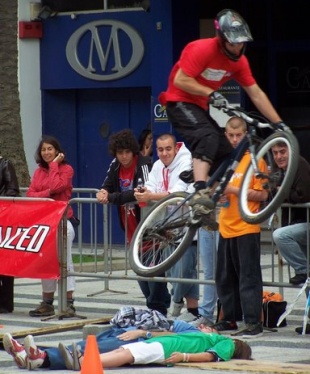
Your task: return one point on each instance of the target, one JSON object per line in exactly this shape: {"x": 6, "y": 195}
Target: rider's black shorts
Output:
{"x": 205, "y": 139}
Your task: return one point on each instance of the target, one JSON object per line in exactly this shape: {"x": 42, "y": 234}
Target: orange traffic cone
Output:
{"x": 91, "y": 363}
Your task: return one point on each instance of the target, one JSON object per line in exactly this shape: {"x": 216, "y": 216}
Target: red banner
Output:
{"x": 29, "y": 238}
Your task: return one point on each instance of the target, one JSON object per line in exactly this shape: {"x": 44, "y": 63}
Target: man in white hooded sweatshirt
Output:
{"x": 164, "y": 179}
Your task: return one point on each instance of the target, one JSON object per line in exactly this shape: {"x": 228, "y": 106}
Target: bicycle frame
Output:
{"x": 228, "y": 166}
{"x": 226, "y": 170}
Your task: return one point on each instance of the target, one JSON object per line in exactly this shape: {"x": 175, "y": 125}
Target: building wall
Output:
{"x": 29, "y": 88}
{"x": 82, "y": 103}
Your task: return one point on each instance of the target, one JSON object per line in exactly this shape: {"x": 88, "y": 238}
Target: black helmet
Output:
{"x": 231, "y": 27}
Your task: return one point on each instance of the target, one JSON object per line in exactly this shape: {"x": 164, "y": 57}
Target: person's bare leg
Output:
{"x": 191, "y": 303}
{"x": 116, "y": 358}
{"x": 48, "y": 295}
{"x": 201, "y": 202}
{"x": 201, "y": 170}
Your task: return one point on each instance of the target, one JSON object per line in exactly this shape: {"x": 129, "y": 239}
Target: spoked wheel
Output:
{"x": 277, "y": 185}
{"x": 162, "y": 236}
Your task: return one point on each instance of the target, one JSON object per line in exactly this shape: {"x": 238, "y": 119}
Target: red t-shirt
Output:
{"x": 126, "y": 177}
{"x": 204, "y": 60}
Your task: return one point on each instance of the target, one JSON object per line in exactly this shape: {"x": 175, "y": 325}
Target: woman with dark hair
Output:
{"x": 53, "y": 179}
{"x": 146, "y": 143}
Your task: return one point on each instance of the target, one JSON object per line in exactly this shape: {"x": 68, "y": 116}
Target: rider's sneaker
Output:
{"x": 15, "y": 349}
{"x": 201, "y": 202}
{"x": 43, "y": 310}
{"x": 71, "y": 357}
{"x": 35, "y": 357}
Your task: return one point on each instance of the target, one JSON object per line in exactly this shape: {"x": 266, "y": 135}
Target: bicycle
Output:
{"x": 165, "y": 233}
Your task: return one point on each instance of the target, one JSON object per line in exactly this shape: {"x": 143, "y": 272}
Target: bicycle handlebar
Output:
{"x": 232, "y": 110}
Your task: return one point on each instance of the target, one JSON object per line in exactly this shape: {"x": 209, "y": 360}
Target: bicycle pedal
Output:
{"x": 201, "y": 210}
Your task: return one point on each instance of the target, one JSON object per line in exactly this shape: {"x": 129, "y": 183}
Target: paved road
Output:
{"x": 282, "y": 346}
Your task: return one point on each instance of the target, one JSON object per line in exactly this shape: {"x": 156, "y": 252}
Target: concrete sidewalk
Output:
{"x": 283, "y": 346}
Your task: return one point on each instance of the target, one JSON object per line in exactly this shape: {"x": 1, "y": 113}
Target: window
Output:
{"x": 82, "y": 5}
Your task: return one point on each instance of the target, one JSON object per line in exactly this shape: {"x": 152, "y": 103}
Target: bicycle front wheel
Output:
{"x": 162, "y": 236}
{"x": 276, "y": 184}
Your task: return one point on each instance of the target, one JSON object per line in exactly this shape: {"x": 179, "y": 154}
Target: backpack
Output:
{"x": 273, "y": 307}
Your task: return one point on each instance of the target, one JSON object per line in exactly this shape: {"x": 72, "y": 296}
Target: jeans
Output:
{"x": 239, "y": 278}
{"x": 207, "y": 244}
{"x": 292, "y": 243}
{"x": 186, "y": 267}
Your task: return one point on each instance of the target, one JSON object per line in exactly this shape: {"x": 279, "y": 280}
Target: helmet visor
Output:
{"x": 237, "y": 33}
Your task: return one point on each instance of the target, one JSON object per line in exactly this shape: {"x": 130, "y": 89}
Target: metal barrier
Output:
{"x": 106, "y": 249}
{"x": 108, "y": 273}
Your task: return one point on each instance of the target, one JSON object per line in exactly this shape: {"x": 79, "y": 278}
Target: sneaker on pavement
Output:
{"x": 43, "y": 310}
{"x": 35, "y": 357}
{"x": 225, "y": 326}
{"x": 71, "y": 357}
{"x": 250, "y": 331}
{"x": 201, "y": 320}
{"x": 15, "y": 349}
{"x": 298, "y": 279}
{"x": 186, "y": 317}
{"x": 70, "y": 311}
{"x": 299, "y": 329}
{"x": 176, "y": 309}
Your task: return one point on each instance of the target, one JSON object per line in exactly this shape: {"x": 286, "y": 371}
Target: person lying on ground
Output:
{"x": 28, "y": 355}
{"x": 202, "y": 346}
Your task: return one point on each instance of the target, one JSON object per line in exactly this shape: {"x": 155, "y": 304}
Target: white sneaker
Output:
{"x": 186, "y": 317}
{"x": 201, "y": 320}
{"x": 176, "y": 309}
{"x": 71, "y": 357}
{"x": 15, "y": 349}
{"x": 35, "y": 357}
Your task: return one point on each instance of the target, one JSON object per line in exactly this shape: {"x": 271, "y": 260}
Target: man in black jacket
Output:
{"x": 122, "y": 177}
{"x": 291, "y": 238}
{"x": 8, "y": 187}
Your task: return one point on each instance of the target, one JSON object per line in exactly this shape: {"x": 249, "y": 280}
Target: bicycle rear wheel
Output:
{"x": 271, "y": 178}
{"x": 162, "y": 236}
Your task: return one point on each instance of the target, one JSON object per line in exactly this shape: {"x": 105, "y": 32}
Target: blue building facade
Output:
{"x": 102, "y": 71}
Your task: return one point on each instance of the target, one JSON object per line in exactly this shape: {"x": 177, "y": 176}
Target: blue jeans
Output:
{"x": 292, "y": 243}
{"x": 207, "y": 244}
{"x": 239, "y": 278}
{"x": 107, "y": 341}
{"x": 186, "y": 267}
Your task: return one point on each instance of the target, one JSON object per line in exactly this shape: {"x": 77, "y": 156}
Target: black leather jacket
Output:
{"x": 8, "y": 180}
